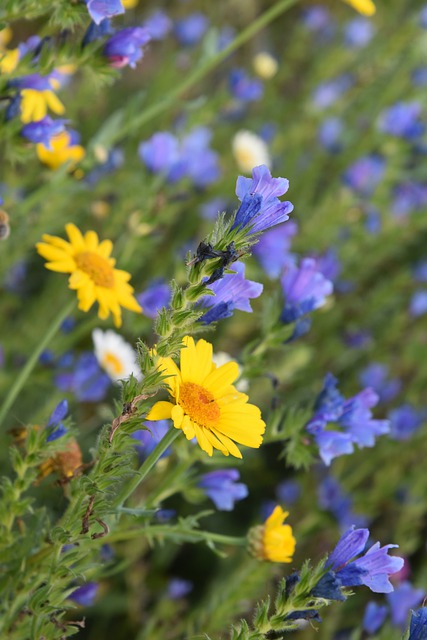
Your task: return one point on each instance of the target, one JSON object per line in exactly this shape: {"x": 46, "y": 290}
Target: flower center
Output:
{"x": 97, "y": 268}
{"x": 110, "y": 362}
{"x": 199, "y": 404}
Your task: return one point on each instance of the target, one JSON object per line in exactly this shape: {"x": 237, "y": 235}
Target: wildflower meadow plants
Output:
{"x": 213, "y": 319}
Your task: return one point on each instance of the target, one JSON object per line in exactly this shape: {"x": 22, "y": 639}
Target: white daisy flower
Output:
{"x": 115, "y": 355}
{"x": 250, "y": 151}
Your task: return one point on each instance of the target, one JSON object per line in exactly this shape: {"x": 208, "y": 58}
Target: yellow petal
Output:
{"x": 65, "y": 266}
{"x": 53, "y": 102}
{"x": 202, "y": 440}
{"x": 366, "y": 7}
{"x": 177, "y": 416}
{"x": 75, "y": 236}
{"x": 229, "y": 444}
{"x": 219, "y": 380}
{"x": 161, "y": 411}
{"x": 188, "y": 428}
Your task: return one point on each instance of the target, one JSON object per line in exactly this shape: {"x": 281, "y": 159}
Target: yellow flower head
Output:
{"x": 273, "y": 540}
{"x": 92, "y": 271}
{"x": 9, "y": 60}
{"x": 35, "y": 104}
{"x": 366, "y": 7}
{"x": 62, "y": 150}
{"x": 205, "y": 404}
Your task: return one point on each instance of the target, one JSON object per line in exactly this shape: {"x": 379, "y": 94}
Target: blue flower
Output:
{"x": 125, "y": 46}
{"x": 97, "y": 32}
{"x": 86, "y": 594}
{"x": 150, "y": 437}
{"x": 402, "y": 120}
{"x": 328, "y": 587}
{"x": 405, "y": 421}
{"x": 156, "y": 296}
{"x": 191, "y": 29}
{"x": 354, "y": 416}
{"x": 327, "y": 93}
{"x": 87, "y": 381}
{"x": 245, "y": 88}
{"x": 222, "y": 488}
{"x": 365, "y": 174}
{"x": 316, "y": 19}
{"x": 192, "y": 157}
{"x": 418, "y": 304}
{"x": 332, "y": 498}
{"x": 407, "y": 198}
{"x": 420, "y": 271}
{"x": 43, "y": 130}
{"x": 101, "y": 9}
{"x": 273, "y": 248}
{"x": 375, "y": 375}
{"x": 54, "y": 425}
{"x": 374, "y": 617}
{"x": 158, "y": 24}
{"x": 402, "y": 600}
{"x": 305, "y": 289}
{"x": 371, "y": 569}
{"x": 330, "y": 134}
{"x": 418, "y": 628}
{"x": 358, "y": 32}
{"x": 261, "y": 207}
{"x": 232, "y": 292}
{"x": 288, "y": 492}
{"x": 179, "y": 588}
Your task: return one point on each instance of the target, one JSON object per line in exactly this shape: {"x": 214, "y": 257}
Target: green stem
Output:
{"x": 175, "y": 95}
{"x": 32, "y": 360}
{"x": 166, "y": 531}
{"x": 147, "y": 465}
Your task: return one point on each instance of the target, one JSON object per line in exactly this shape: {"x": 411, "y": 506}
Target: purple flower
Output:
{"x": 374, "y": 617}
{"x": 418, "y": 628}
{"x": 150, "y": 437}
{"x": 32, "y": 81}
{"x": 401, "y": 601}
{"x": 316, "y": 18}
{"x": 288, "y": 491}
{"x": 305, "y": 289}
{"x": 404, "y": 421}
{"x": 272, "y": 249}
{"x": 155, "y": 297}
{"x": 97, "y": 32}
{"x": 191, "y": 29}
{"x": 375, "y": 375}
{"x": 160, "y": 152}
{"x": 331, "y": 497}
{"x": 402, "y": 120}
{"x": 192, "y": 157}
{"x": 329, "y": 264}
{"x": 358, "y": 33}
{"x": 222, "y": 488}
{"x": 419, "y": 77}
{"x": 327, "y": 93}
{"x": 158, "y": 24}
{"x": 354, "y": 416}
{"x": 86, "y": 381}
{"x": 245, "y": 88}
{"x": 423, "y": 17}
{"x": 365, "y": 174}
{"x": 418, "y": 305}
{"x": 371, "y": 569}
{"x": 101, "y": 9}
{"x": 408, "y": 197}
{"x": 179, "y": 588}
{"x": 261, "y": 207}
{"x": 420, "y": 271}
{"x": 330, "y": 134}
{"x": 43, "y": 130}
{"x": 232, "y": 292}
{"x": 357, "y": 420}
{"x": 86, "y": 594}
{"x": 54, "y": 425}
{"x": 125, "y": 46}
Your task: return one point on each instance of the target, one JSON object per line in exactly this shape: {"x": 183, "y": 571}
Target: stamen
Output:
{"x": 97, "y": 268}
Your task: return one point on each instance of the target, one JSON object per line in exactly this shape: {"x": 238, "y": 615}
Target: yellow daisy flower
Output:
{"x": 273, "y": 540}
{"x": 366, "y": 7}
{"x": 92, "y": 271}
{"x": 62, "y": 150}
{"x": 205, "y": 404}
{"x": 35, "y": 104}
